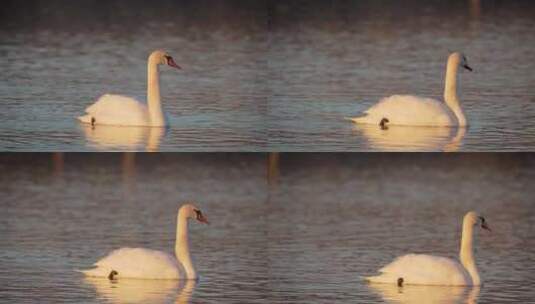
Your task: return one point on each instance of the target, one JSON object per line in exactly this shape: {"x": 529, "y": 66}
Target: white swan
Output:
{"x": 144, "y": 263}
{"x": 418, "y": 111}
{"x": 422, "y": 269}
{"x": 126, "y": 111}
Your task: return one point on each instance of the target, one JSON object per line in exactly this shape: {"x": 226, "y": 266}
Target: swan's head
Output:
{"x": 460, "y": 60}
{"x": 475, "y": 219}
{"x": 162, "y": 57}
{"x": 191, "y": 212}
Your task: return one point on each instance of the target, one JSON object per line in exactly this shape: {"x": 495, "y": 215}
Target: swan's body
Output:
{"x": 117, "y": 110}
{"x": 126, "y": 111}
{"x": 137, "y": 263}
{"x": 422, "y": 269}
{"x": 144, "y": 263}
{"x": 418, "y": 111}
{"x": 408, "y": 110}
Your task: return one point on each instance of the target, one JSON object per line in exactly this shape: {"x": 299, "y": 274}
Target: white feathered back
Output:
{"x": 137, "y": 263}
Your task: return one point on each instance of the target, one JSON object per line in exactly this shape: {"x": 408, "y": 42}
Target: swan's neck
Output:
{"x": 182, "y": 247}
{"x": 156, "y": 116}
{"x": 450, "y": 92}
{"x": 467, "y": 252}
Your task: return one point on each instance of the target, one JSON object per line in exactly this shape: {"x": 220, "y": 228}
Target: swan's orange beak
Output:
{"x": 172, "y": 63}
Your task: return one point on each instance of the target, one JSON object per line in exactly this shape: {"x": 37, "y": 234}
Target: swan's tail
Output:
{"x": 86, "y": 272}
{"x": 382, "y": 278}
{"x": 359, "y": 119}
{"x": 372, "y": 279}
{"x": 94, "y": 272}
{"x": 85, "y": 118}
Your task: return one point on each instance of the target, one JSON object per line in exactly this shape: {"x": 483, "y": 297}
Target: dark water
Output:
{"x": 62, "y": 216}
{"x": 325, "y": 221}
{"x": 335, "y": 59}
{"x": 264, "y": 75}
{"x": 61, "y": 60}
{"x": 335, "y": 218}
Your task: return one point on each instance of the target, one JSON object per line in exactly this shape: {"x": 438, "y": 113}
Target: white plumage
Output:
{"x": 137, "y": 263}
{"x": 422, "y": 269}
{"x": 142, "y": 263}
{"x": 120, "y": 110}
{"x": 412, "y": 110}
{"x": 408, "y": 110}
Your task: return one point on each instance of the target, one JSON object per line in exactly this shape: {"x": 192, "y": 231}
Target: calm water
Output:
{"x": 334, "y": 218}
{"x": 325, "y": 221}
{"x": 265, "y": 75}
{"x": 55, "y": 65}
{"x": 56, "y": 219}
{"x": 335, "y": 59}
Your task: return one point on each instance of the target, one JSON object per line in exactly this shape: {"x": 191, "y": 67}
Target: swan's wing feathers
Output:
{"x": 118, "y": 110}
{"x": 417, "y": 261}
{"x": 409, "y": 110}
{"x": 111, "y": 102}
{"x": 140, "y": 263}
{"x": 397, "y": 104}
{"x": 423, "y": 269}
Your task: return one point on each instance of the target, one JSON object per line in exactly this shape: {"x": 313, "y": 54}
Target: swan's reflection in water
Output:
{"x": 143, "y": 291}
{"x": 123, "y": 138}
{"x": 406, "y": 138}
{"x": 425, "y": 294}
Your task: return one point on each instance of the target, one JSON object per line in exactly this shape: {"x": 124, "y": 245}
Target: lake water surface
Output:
{"x": 55, "y": 65}
{"x": 335, "y": 59}
{"x": 324, "y": 222}
{"x": 266, "y": 75}
{"x": 61, "y": 216}
{"x": 335, "y": 218}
